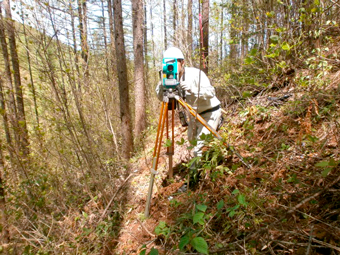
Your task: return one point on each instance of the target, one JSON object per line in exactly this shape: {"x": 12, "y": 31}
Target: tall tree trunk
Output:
{"x": 140, "y": 114}
{"x": 189, "y": 39}
{"x": 233, "y": 35}
{"x": 145, "y": 30}
{"x": 32, "y": 85}
{"x": 112, "y": 40}
{"x": 245, "y": 27}
{"x": 153, "y": 41}
{"x": 5, "y": 121}
{"x": 174, "y": 23}
{"x": 22, "y": 127}
{"x": 205, "y": 24}
{"x": 11, "y": 102}
{"x": 4, "y": 233}
{"x": 165, "y": 24}
{"x": 125, "y": 116}
{"x": 75, "y": 51}
{"x": 105, "y": 42}
{"x": 221, "y": 36}
{"x": 83, "y": 37}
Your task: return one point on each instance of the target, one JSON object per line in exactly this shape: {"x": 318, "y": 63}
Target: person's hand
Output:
{"x": 185, "y": 87}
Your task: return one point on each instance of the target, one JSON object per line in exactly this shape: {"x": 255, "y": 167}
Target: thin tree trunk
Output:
{"x": 12, "y": 104}
{"x": 83, "y": 36}
{"x": 174, "y": 22}
{"x": 233, "y": 35}
{"x": 145, "y": 30}
{"x": 189, "y": 39}
{"x": 89, "y": 156}
{"x": 221, "y": 36}
{"x": 22, "y": 126}
{"x": 112, "y": 40}
{"x": 32, "y": 85}
{"x": 5, "y": 121}
{"x": 4, "y": 233}
{"x": 153, "y": 41}
{"x": 125, "y": 116}
{"x": 165, "y": 33}
{"x": 140, "y": 113}
{"x": 205, "y": 24}
{"x": 105, "y": 43}
{"x": 75, "y": 51}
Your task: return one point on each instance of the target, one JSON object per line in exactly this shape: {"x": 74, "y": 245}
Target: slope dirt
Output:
{"x": 287, "y": 203}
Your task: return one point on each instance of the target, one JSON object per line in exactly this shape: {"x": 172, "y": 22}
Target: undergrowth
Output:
{"x": 288, "y": 202}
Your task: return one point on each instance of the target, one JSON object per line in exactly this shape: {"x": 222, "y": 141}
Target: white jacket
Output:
{"x": 205, "y": 100}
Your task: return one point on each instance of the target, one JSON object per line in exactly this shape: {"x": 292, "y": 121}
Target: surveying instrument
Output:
{"x": 173, "y": 98}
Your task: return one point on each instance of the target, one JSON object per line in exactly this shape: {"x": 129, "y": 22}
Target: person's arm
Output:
{"x": 201, "y": 85}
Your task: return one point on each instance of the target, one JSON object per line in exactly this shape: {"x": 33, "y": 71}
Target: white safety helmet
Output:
{"x": 173, "y": 52}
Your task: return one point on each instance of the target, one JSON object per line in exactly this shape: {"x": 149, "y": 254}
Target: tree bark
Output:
{"x": 233, "y": 37}
{"x": 5, "y": 121}
{"x": 21, "y": 118}
{"x": 189, "y": 35}
{"x": 82, "y": 12}
{"x": 140, "y": 113}
{"x": 4, "y": 233}
{"x": 146, "y": 61}
{"x": 174, "y": 22}
{"x": 165, "y": 33}
{"x": 205, "y": 24}
{"x": 11, "y": 102}
{"x": 112, "y": 40}
{"x": 105, "y": 42}
{"x": 125, "y": 116}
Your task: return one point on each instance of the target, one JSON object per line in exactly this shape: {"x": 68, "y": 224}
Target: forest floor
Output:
{"x": 288, "y": 203}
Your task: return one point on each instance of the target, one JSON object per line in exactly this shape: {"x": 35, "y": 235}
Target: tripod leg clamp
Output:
{"x": 154, "y": 162}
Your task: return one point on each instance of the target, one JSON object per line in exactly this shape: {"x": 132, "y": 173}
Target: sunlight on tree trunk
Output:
{"x": 140, "y": 116}
{"x": 125, "y": 115}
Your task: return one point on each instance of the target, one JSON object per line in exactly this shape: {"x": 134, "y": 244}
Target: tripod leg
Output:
{"x": 156, "y": 152}
{"x": 171, "y": 148}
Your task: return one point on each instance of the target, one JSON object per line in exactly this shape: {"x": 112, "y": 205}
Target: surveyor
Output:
{"x": 200, "y": 94}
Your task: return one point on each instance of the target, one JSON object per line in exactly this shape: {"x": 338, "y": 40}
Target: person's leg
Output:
{"x": 213, "y": 119}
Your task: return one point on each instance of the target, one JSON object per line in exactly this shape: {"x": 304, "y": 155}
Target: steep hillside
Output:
{"x": 287, "y": 203}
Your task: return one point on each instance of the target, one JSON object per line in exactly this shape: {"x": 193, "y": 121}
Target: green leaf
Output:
{"x": 325, "y": 172}
{"x": 274, "y": 38}
{"x": 201, "y": 207}
{"x": 246, "y": 94}
{"x": 183, "y": 242}
{"x": 153, "y": 251}
{"x": 236, "y": 191}
{"x": 322, "y": 164}
{"x": 253, "y": 52}
{"x": 273, "y": 55}
{"x": 231, "y": 214}
{"x": 248, "y": 61}
{"x": 85, "y": 215}
{"x": 168, "y": 143}
{"x": 220, "y": 205}
{"x": 198, "y": 217}
{"x": 181, "y": 142}
{"x": 242, "y": 199}
{"x": 200, "y": 245}
{"x": 285, "y": 46}
{"x": 143, "y": 251}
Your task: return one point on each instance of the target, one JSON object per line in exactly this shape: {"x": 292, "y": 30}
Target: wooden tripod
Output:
{"x": 170, "y": 99}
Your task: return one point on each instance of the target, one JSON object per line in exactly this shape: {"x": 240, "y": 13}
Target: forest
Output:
{"x": 79, "y": 120}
